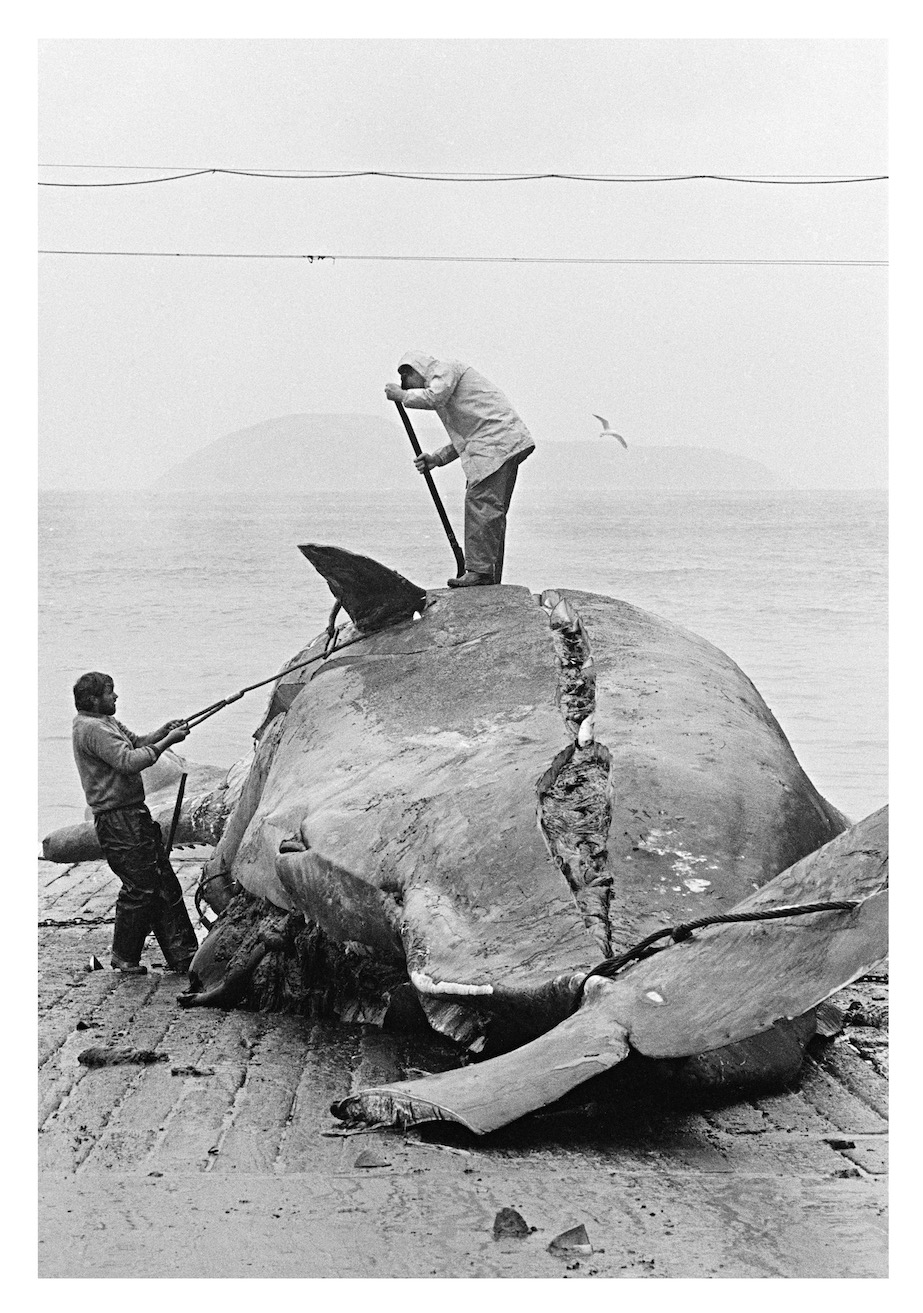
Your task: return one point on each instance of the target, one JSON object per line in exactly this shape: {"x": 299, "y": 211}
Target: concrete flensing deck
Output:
{"x": 144, "y": 1173}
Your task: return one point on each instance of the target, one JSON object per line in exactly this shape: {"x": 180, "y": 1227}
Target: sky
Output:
{"x": 144, "y": 360}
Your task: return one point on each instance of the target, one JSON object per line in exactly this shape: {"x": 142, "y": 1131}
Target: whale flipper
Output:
{"x": 730, "y": 984}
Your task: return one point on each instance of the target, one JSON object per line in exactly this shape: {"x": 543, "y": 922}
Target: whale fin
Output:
{"x": 491, "y": 1094}
{"x": 727, "y": 983}
{"x": 371, "y": 594}
{"x": 613, "y": 1018}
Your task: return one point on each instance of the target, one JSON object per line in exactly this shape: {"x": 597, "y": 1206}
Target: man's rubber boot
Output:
{"x": 470, "y": 580}
{"x": 128, "y": 968}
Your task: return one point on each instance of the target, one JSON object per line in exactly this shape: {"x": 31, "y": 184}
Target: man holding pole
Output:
{"x": 110, "y": 759}
{"x": 487, "y": 436}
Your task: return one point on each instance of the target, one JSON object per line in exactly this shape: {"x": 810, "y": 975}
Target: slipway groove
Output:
{"x": 246, "y": 1164}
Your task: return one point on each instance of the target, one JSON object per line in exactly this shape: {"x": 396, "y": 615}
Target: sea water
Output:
{"x": 185, "y": 600}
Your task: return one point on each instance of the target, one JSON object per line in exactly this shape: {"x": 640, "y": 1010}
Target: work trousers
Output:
{"x": 151, "y": 897}
{"x": 486, "y": 505}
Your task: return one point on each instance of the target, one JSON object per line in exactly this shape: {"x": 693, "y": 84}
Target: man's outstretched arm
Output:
{"x": 133, "y": 757}
{"x": 156, "y": 735}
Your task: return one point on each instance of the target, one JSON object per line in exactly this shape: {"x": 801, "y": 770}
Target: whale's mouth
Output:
{"x": 575, "y": 792}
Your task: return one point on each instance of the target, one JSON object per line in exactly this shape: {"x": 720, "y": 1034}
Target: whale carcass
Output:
{"x": 491, "y": 793}
{"x": 483, "y": 808}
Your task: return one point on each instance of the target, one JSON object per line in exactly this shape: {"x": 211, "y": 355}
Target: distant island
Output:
{"x": 331, "y": 453}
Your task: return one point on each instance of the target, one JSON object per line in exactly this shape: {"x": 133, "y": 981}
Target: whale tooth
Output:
{"x": 586, "y": 731}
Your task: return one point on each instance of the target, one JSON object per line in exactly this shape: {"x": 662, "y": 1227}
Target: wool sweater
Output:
{"x": 109, "y": 761}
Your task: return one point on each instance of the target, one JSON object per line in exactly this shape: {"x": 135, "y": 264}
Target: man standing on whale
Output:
{"x": 489, "y": 439}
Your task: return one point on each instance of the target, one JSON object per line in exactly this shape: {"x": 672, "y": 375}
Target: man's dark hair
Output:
{"x": 89, "y": 687}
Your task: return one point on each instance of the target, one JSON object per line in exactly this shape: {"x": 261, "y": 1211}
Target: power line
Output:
{"x": 316, "y": 175}
{"x": 462, "y": 259}
{"x": 136, "y": 182}
{"x": 451, "y": 173}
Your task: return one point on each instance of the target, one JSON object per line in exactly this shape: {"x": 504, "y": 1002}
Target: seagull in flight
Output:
{"x": 609, "y": 433}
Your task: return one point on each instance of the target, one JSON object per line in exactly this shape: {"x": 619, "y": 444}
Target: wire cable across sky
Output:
{"x": 462, "y": 259}
{"x": 312, "y": 175}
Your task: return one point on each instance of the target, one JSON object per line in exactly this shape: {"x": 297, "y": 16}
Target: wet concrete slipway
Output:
{"x": 222, "y": 1159}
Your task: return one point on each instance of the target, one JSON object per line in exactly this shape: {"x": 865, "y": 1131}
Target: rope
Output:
{"x": 199, "y": 896}
{"x": 612, "y": 965}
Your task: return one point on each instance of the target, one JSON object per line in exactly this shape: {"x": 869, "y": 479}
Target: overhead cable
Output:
{"x": 457, "y": 259}
{"x": 317, "y": 175}
{"x": 135, "y": 182}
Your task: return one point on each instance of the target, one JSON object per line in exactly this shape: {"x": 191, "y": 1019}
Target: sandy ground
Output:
{"x": 222, "y": 1160}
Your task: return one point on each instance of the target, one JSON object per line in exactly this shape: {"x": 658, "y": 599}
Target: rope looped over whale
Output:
{"x": 612, "y": 965}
